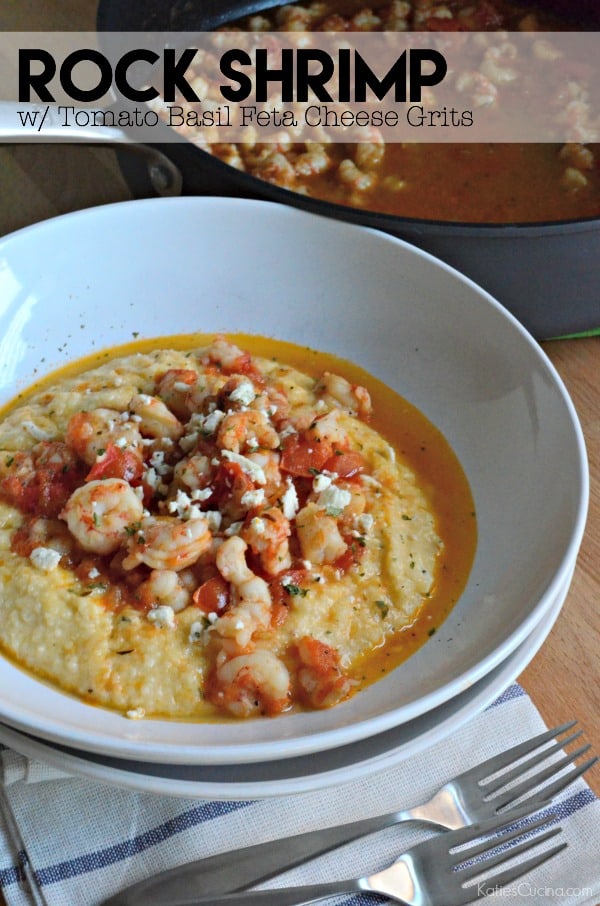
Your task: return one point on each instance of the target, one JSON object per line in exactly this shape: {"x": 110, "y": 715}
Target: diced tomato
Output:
{"x": 212, "y": 596}
{"x": 351, "y": 556}
{"x": 245, "y": 365}
{"x": 230, "y": 484}
{"x": 321, "y": 658}
{"x": 346, "y": 464}
{"x": 284, "y": 588}
{"x": 302, "y": 455}
{"x": 117, "y": 463}
{"x": 42, "y": 481}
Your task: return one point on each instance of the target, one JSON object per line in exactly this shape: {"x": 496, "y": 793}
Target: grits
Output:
{"x": 207, "y": 533}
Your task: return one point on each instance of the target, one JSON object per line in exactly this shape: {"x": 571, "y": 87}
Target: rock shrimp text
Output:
{"x": 210, "y": 532}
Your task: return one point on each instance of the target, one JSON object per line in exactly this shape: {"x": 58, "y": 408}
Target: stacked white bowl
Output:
{"x": 169, "y": 266}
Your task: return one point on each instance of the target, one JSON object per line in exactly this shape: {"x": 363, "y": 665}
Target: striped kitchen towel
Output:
{"x": 68, "y": 841}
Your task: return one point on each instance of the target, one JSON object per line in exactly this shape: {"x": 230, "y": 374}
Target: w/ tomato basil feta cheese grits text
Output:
{"x": 207, "y": 532}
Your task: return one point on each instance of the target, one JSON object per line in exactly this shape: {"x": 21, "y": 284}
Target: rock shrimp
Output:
{"x": 164, "y": 587}
{"x": 268, "y": 461}
{"x": 250, "y": 599}
{"x": 251, "y": 684}
{"x": 154, "y": 418}
{"x": 194, "y": 472}
{"x": 481, "y": 89}
{"x": 205, "y": 392}
{"x": 337, "y": 391}
{"x": 229, "y": 356}
{"x": 319, "y": 535}
{"x": 354, "y": 177}
{"x": 99, "y": 513}
{"x": 267, "y": 536}
{"x": 241, "y": 431}
{"x": 321, "y": 681}
{"x": 496, "y": 62}
{"x": 312, "y": 161}
{"x": 167, "y": 543}
{"x": 88, "y": 434}
{"x": 327, "y": 429}
{"x": 174, "y": 389}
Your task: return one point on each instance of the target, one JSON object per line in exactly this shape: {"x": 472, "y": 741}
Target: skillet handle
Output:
{"x": 44, "y": 126}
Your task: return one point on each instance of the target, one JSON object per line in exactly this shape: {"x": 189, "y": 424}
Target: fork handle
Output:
{"x": 283, "y": 896}
{"x": 229, "y": 871}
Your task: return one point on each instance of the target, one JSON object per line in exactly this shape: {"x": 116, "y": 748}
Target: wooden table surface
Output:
{"x": 564, "y": 678}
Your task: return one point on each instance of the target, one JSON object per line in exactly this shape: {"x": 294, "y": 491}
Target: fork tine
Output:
{"x": 502, "y": 834}
{"x": 492, "y": 786}
{"x": 497, "y": 825}
{"x": 489, "y": 885}
{"x": 504, "y": 759}
{"x": 553, "y": 789}
{"x": 478, "y": 868}
{"x": 530, "y": 783}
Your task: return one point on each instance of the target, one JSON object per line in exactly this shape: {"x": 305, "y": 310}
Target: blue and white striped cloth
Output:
{"x": 72, "y": 842}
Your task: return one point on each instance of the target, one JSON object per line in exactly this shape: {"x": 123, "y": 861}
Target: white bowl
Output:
{"x": 96, "y": 278}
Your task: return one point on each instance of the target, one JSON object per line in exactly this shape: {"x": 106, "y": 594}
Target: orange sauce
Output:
{"x": 416, "y": 440}
{"x": 472, "y": 183}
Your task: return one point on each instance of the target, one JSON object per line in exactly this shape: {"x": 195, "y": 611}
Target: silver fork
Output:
{"x": 472, "y": 797}
{"x": 433, "y": 872}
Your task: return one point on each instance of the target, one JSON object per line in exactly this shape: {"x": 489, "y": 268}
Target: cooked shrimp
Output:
{"x": 496, "y": 62}
{"x": 327, "y": 428}
{"x": 337, "y": 391}
{"x": 167, "y": 543}
{"x": 356, "y": 178}
{"x": 274, "y": 402}
{"x": 164, "y": 587}
{"x": 99, "y": 513}
{"x": 251, "y": 599}
{"x": 238, "y": 393}
{"x": 481, "y": 89}
{"x": 578, "y": 155}
{"x": 241, "y": 431}
{"x": 355, "y": 506}
{"x": 268, "y": 461}
{"x": 321, "y": 681}
{"x": 174, "y": 389}
{"x": 227, "y": 355}
{"x": 194, "y": 472}
{"x": 319, "y": 535}
{"x": 267, "y": 535}
{"x": 154, "y": 418}
{"x": 251, "y": 684}
{"x": 314, "y": 160}
{"x": 369, "y": 154}
{"x": 205, "y": 391}
{"x": 90, "y": 433}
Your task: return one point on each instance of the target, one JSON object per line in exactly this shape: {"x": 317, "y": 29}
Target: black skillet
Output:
{"x": 547, "y": 275}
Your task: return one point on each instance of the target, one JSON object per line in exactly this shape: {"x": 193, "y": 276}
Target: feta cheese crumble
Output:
{"x": 254, "y": 471}
{"x": 45, "y": 558}
{"x": 334, "y": 499}
{"x": 244, "y": 393}
{"x": 163, "y": 616}
{"x": 289, "y": 501}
